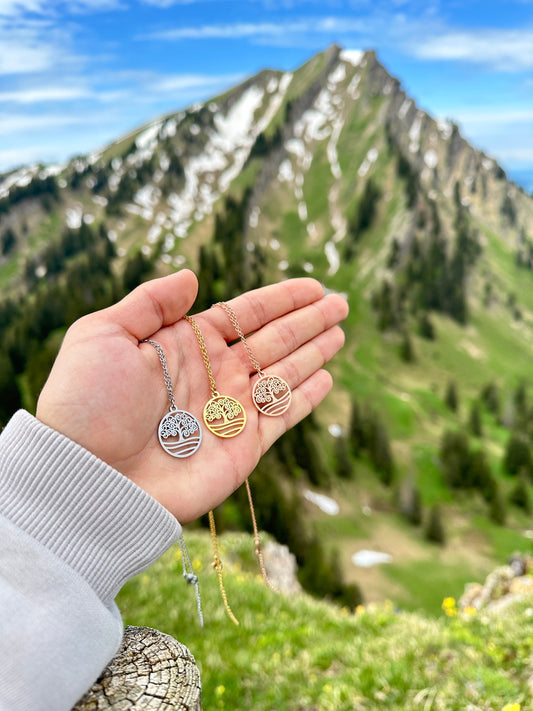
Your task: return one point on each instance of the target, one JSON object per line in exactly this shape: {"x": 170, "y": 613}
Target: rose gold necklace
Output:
{"x": 264, "y": 396}
{"x": 270, "y": 394}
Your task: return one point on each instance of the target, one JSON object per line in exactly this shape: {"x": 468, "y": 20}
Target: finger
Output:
{"x": 309, "y": 358}
{"x": 305, "y": 398}
{"x": 260, "y": 306}
{"x": 155, "y": 304}
{"x": 279, "y": 338}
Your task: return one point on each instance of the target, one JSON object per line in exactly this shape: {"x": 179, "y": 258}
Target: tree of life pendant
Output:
{"x": 224, "y": 416}
{"x": 179, "y": 433}
{"x": 271, "y": 395}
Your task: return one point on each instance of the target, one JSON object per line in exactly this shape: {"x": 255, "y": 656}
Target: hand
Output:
{"x": 106, "y": 389}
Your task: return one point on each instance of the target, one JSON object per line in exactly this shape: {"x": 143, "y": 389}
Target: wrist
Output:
{"x": 85, "y": 512}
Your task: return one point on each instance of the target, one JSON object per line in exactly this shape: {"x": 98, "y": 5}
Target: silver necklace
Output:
{"x": 179, "y": 431}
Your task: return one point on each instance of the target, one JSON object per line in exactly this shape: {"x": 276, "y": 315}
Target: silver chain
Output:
{"x": 168, "y": 381}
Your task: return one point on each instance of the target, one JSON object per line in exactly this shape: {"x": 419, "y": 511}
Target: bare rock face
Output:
{"x": 281, "y": 568}
{"x": 152, "y": 671}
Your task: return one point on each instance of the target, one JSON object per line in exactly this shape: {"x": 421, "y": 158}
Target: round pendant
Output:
{"x": 179, "y": 433}
{"x": 271, "y": 395}
{"x": 224, "y": 416}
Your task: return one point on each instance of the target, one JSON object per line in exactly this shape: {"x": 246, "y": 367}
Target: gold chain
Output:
{"x": 257, "y": 541}
{"x": 218, "y": 568}
{"x": 205, "y": 357}
{"x": 233, "y": 318}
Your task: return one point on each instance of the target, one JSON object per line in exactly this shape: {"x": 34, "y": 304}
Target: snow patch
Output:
{"x": 254, "y": 216}
{"x": 74, "y": 217}
{"x": 414, "y": 134}
{"x": 367, "y": 559}
{"x": 445, "y": 128}
{"x": 153, "y": 234}
{"x": 353, "y": 86}
{"x": 168, "y": 130}
{"x": 324, "y": 503}
{"x": 337, "y": 75}
{"x": 352, "y": 56}
{"x": 272, "y": 85}
{"x": 332, "y": 256}
{"x": 431, "y": 158}
{"x": 404, "y": 108}
{"x": 148, "y": 138}
{"x": 285, "y": 172}
{"x": 335, "y": 430}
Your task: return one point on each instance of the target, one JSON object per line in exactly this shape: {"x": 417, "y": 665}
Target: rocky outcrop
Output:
{"x": 502, "y": 587}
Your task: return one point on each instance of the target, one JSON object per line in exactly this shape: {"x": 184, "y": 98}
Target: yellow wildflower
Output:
{"x": 512, "y": 707}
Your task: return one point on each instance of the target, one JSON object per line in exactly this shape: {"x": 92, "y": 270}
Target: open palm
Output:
{"x": 106, "y": 390}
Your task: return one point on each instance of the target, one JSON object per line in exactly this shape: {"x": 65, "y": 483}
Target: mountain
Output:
{"x": 332, "y": 171}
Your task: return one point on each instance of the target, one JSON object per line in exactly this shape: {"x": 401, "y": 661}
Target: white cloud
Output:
{"x": 38, "y": 95}
{"x": 17, "y": 123}
{"x": 188, "y": 82}
{"x": 242, "y": 30}
{"x": 12, "y": 8}
{"x": 501, "y": 49}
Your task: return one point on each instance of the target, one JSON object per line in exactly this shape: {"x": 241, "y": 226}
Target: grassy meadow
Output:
{"x": 297, "y": 653}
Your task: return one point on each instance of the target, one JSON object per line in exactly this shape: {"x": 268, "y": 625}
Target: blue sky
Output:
{"x": 76, "y": 74}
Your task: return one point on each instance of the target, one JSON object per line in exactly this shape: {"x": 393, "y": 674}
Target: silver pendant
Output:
{"x": 179, "y": 433}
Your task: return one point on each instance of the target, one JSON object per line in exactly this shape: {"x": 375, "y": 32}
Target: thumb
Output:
{"x": 154, "y": 304}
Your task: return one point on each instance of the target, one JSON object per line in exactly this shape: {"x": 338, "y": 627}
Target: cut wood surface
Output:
{"x": 151, "y": 671}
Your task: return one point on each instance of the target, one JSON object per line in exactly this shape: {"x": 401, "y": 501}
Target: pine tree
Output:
{"x": 425, "y": 327}
{"x": 343, "y": 463}
{"x": 451, "y": 397}
{"x": 474, "y": 422}
{"x": 411, "y": 503}
{"x": 356, "y": 436}
{"x": 517, "y": 455}
{"x": 435, "y": 530}
{"x": 455, "y": 458}
{"x": 407, "y": 353}
{"x": 519, "y": 496}
{"x": 379, "y": 449}
{"x": 497, "y": 511}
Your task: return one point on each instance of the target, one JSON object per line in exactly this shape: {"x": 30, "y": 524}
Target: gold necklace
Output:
{"x": 223, "y": 415}
{"x": 233, "y": 416}
{"x": 270, "y": 394}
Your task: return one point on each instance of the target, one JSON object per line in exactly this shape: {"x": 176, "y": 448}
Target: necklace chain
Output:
{"x": 218, "y": 567}
{"x": 205, "y": 356}
{"x": 233, "y": 318}
{"x": 168, "y": 381}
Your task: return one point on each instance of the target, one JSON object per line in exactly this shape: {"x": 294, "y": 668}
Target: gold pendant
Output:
{"x": 224, "y": 416}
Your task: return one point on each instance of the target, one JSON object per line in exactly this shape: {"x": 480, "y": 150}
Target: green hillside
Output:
{"x": 294, "y": 652}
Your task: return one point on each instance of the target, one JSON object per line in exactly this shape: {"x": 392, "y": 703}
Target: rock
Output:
{"x": 151, "y": 672}
{"x": 281, "y": 568}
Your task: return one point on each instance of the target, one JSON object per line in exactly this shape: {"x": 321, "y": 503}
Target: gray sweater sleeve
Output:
{"x": 72, "y": 532}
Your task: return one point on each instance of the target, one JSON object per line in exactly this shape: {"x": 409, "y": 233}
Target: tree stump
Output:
{"x": 151, "y": 671}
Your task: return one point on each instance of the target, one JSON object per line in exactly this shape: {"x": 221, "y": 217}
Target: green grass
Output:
{"x": 295, "y": 653}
